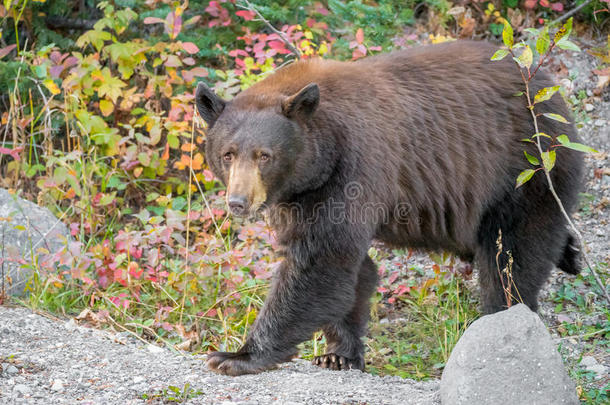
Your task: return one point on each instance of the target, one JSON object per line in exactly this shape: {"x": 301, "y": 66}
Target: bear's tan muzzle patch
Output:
{"x": 245, "y": 182}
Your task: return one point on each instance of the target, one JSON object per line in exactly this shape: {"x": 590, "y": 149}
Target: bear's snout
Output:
{"x": 238, "y": 205}
{"x": 246, "y": 192}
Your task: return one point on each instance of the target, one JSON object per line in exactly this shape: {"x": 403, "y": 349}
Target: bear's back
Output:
{"x": 437, "y": 127}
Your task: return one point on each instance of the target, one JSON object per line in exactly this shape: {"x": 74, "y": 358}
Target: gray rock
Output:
{"x": 589, "y": 107}
{"x": 57, "y": 385}
{"x": 588, "y": 361}
{"x": 11, "y": 369}
{"x": 509, "y": 358}
{"x": 30, "y": 229}
{"x": 22, "y": 389}
{"x": 598, "y": 369}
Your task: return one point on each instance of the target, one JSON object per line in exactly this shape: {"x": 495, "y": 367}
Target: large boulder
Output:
{"x": 506, "y": 358}
{"x": 26, "y": 230}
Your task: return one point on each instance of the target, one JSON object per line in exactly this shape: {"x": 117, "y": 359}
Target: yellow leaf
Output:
{"x": 308, "y": 35}
{"x": 50, "y": 84}
{"x": 137, "y": 171}
{"x": 106, "y": 107}
{"x": 323, "y": 49}
{"x": 438, "y": 38}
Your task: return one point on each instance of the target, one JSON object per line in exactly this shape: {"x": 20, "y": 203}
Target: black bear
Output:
{"x": 418, "y": 148}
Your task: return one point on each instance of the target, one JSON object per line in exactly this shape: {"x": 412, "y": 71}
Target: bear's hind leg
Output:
{"x": 344, "y": 344}
{"x": 520, "y": 269}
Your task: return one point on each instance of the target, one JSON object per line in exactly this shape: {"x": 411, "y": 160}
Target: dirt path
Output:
{"x": 53, "y": 362}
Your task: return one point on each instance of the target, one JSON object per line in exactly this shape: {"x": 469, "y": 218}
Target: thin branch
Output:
{"x": 58, "y": 22}
{"x": 570, "y": 13}
{"x": 289, "y": 45}
{"x": 547, "y": 174}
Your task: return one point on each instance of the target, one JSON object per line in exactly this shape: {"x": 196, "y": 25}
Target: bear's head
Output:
{"x": 257, "y": 149}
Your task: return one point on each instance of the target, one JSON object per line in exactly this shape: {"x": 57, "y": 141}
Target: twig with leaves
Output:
{"x": 544, "y": 46}
{"x": 246, "y": 5}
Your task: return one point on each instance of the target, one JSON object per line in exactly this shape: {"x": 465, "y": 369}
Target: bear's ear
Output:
{"x": 209, "y": 105}
{"x": 303, "y": 103}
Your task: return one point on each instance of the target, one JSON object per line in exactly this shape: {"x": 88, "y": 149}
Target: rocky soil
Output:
{"x": 50, "y": 362}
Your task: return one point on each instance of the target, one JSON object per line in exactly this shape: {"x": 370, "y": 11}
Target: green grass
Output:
{"x": 588, "y": 329}
{"x": 419, "y": 346}
{"x": 172, "y": 395}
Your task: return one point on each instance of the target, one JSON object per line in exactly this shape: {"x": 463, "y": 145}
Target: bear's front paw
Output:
{"x": 234, "y": 364}
{"x": 336, "y": 362}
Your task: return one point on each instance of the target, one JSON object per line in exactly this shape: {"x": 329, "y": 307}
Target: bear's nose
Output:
{"x": 237, "y": 205}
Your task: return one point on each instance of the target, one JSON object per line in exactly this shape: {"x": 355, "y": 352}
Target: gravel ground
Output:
{"x": 48, "y": 361}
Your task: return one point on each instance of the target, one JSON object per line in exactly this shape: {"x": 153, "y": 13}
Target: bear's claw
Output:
{"x": 336, "y": 362}
{"x": 235, "y": 364}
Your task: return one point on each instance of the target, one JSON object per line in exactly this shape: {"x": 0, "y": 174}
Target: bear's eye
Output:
{"x": 228, "y": 157}
{"x": 264, "y": 157}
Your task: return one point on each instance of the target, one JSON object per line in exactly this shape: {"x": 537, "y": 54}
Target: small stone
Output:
{"x": 11, "y": 369}
{"x": 588, "y": 361}
{"x": 598, "y": 369}
{"x": 70, "y": 325}
{"x": 58, "y": 385}
{"x": 589, "y": 107}
{"x": 154, "y": 349}
{"x": 138, "y": 379}
{"x": 599, "y": 123}
{"x": 22, "y": 389}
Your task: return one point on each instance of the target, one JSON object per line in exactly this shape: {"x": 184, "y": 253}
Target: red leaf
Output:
{"x": 56, "y": 70}
{"x": 401, "y": 289}
{"x": 153, "y": 20}
{"x": 277, "y": 45}
{"x": 189, "y": 75}
{"x": 393, "y": 277}
{"x": 530, "y": 3}
{"x": 357, "y": 54}
{"x": 360, "y": 35}
{"x": 557, "y": 6}
{"x": 13, "y": 152}
{"x": 189, "y": 61}
{"x": 320, "y": 9}
{"x": 246, "y": 14}
{"x": 7, "y": 50}
{"x": 190, "y": 47}
{"x": 199, "y": 72}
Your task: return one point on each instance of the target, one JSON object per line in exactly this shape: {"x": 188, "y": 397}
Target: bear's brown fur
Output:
{"x": 419, "y": 148}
